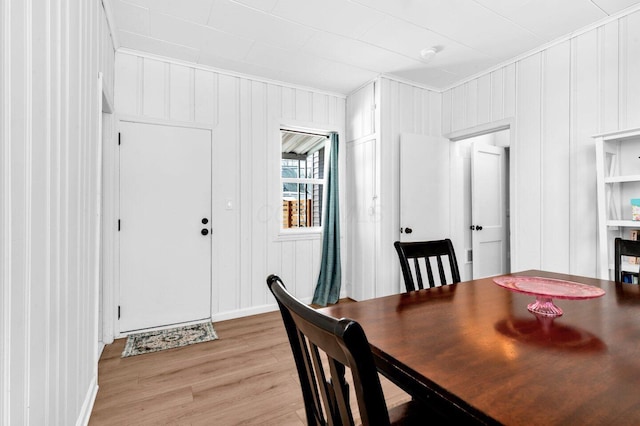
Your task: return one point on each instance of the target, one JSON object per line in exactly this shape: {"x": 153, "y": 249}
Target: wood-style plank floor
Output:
{"x": 247, "y": 376}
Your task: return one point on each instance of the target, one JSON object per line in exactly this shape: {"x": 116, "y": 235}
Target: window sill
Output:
{"x": 306, "y": 234}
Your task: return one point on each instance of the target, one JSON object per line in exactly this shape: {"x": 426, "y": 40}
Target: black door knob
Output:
{"x": 408, "y": 230}
{"x": 205, "y": 220}
{"x": 479, "y": 228}
{"x": 204, "y": 231}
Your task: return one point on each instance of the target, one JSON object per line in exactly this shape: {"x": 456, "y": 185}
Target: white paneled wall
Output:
{"x": 558, "y": 98}
{"x": 245, "y": 115}
{"x": 50, "y": 57}
{"x": 362, "y": 202}
{"x": 374, "y": 164}
{"x": 403, "y": 109}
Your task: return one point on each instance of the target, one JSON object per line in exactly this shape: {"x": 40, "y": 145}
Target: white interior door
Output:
{"x": 165, "y": 198}
{"x": 424, "y": 188}
{"x": 488, "y": 210}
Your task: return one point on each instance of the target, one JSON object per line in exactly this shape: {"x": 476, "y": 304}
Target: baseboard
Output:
{"x": 101, "y": 346}
{"x": 87, "y": 405}
{"x": 223, "y": 316}
{"x": 239, "y": 313}
{"x": 254, "y": 310}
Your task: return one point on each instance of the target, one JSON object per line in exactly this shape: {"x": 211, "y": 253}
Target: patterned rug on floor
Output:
{"x": 154, "y": 341}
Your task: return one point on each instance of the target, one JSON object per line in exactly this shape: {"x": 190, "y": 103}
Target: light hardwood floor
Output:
{"x": 248, "y": 376}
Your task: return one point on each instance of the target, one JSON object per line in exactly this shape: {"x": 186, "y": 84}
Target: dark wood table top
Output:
{"x": 475, "y": 346}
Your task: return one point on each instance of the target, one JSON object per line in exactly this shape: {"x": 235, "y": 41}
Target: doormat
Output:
{"x": 154, "y": 341}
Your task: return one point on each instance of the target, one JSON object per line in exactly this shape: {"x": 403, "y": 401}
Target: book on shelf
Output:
{"x": 634, "y": 234}
{"x": 629, "y": 277}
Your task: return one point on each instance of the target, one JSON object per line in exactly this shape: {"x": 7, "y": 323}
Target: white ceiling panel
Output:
{"x": 157, "y": 47}
{"x": 359, "y": 53}
{"x": 191, "y": 10}
{"x": 224, "y": 45}
{"x": 218, "y": 62}
{"x": 535, "y": 16}
{"x": 131, "y": 17}
{"x": 465, "y": 21}
{"x": 614, "y": 6}
{"x": 339, "y": 45}
{"x": 335, "y": 16}
{"x": 175, "y": 30}
{"x": 308, "y": 70}
{"x": 409, "y": 39}
{"x": 142, "y": 3}
{"x": 430, "y": 77}
{"x": 257, "y": 25}
{"x": 264, "y": 5}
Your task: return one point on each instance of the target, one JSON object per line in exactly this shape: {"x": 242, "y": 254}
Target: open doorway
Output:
{"x": 480, "y": 203}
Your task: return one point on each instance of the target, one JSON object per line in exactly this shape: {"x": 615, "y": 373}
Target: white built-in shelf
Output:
{"x": 627, "y": 267}
{"x": 624, "y": 223}
{"x": 622, "y": 179}
{"x": 618, "y": 181}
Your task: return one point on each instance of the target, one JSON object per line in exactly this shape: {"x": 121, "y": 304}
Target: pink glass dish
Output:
{"x": 546, "y": 289}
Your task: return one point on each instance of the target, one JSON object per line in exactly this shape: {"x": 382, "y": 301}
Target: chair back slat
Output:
{"x": 342, "y": 344}
{"x": 443, "y": 278}
{"x": 340, "y": 389}
{"x": 416, "y": 266}
{"x": 440, "y": 252}
{"x": 310, "y": 372}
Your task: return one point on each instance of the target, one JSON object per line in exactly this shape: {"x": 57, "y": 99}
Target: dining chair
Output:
{"x": 426, "y": 256}
{"x": 343, "y": 345}
{"x": 630, "y": 248}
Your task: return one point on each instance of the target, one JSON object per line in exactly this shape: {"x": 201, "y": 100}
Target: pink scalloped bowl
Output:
{"x": 549, "y": 287}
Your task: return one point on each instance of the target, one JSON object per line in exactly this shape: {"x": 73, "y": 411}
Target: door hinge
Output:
{"x": 118, "y": 225}
{"x": 118, "y": 311}
{"x": 119, "y": 138}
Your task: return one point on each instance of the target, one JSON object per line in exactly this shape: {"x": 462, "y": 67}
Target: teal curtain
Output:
{"x": 328, "y": 286}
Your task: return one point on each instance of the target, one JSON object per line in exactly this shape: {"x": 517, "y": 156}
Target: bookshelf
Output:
{"x": 618, "y": 181}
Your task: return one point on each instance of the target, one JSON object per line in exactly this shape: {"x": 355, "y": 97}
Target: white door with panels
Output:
{"x": 164, "y": 226}
{"x": 424, "y": 188}
{"x": 488, "y": 210}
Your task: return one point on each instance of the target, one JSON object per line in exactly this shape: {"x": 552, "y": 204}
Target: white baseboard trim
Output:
{"x": 239, "y": 313}
{"x": 87, "y": 405}
{"x": 254, "y": 310}
{"x": 101, "y": 346}
{"x": 223, "y": 316}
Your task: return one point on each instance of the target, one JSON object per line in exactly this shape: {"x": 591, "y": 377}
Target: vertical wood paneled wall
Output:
{"x": 558, "y": 98}
{"x": 50, "y": 57}
{"x": 375, "y": 171}
{"x": 362, "y": 185}
{"x": 245, "y": 115}
{"x": 403, "y": 109}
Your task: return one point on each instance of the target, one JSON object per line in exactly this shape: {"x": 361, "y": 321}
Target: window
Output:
{"x": 302, "y": 172}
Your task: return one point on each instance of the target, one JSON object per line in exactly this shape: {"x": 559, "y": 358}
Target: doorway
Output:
{"x": 164, "y": 226}
{"x": 482, "y": 204}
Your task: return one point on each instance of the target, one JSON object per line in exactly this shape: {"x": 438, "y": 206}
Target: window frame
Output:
{"x": 308, "y": 232}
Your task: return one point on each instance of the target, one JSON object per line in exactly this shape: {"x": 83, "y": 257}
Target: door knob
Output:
{"x": 408, "y": 230}
{"x": 205, "y": 220}
{"x": 204, "y": 231}
{"x": 476, "y": 227}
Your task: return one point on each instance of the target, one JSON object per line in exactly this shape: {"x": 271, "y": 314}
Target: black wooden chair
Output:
{"x": 428, "y": 251}
{"x": 622, "y": 247}
{"x": 344, "y": 345}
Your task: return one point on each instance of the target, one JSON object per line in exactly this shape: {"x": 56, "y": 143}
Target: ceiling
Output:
{"x": 338, "y": 45}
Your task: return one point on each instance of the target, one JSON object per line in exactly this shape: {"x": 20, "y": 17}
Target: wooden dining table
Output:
{"x": 477, "y": 354}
